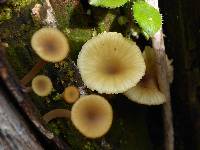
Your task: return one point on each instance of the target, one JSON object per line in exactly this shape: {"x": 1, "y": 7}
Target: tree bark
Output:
{"x": 159, "y": 47}
{"x": 14, "y": 133}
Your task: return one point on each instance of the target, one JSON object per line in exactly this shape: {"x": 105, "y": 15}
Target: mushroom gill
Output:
{"x": 109, "y": 63}
{"x": 147, "y": 91}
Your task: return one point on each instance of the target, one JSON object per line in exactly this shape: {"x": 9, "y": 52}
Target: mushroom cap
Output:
{"x": 50, "y": 44}
{"x": 109, "y": 63}
{"x": 42, "y": 85}
{"x": 147, "y": 91}
{"x": 71, "y": 94}
{"x": 92, "y": 115}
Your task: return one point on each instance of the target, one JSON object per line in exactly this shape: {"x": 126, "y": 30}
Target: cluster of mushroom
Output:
{"x": 108, "y": 63}
{"x": 112, "y": 64}
{"x": 91, "y": 115}
{"x": 50, "y": 45}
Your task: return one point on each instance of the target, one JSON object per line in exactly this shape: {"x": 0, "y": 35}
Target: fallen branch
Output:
{"x": 159, "y": 47}
{"x": 14, "y": 132}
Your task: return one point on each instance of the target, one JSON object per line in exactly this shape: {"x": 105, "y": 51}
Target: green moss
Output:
{"x": 53, "y": 128}
{"x": 16, "y": 63}
{"x": 106, "y": 23}
{"x": 122, "y": 20}
{"x": 77, "y": 37}
{"x": 66, "y": 73}
{"x": 69, "y": 14}
{"x": 5, "y": 14}
{"x": 73, "y": 22}
{"x": 57, "y": 97}
{"x": 17, "y": 30}
{"x": 12, "y": 8}
{"x": 104, "y": 19}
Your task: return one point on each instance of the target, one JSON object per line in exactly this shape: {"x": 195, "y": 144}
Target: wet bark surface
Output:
{"x": 14, "y": 132}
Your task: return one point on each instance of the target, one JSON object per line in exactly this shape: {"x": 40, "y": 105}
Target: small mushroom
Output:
{"x": 56, "y": 113}
{"x": 92, "y": 115}
{"x": 147, "y": 90}
{"x": 50, "y": 44}
{"x": 42, "y": 85}
{"x": 109, "y": 63}
{"x": 71, "y": 94}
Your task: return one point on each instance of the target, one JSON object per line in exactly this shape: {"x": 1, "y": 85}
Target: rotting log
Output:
{"x": 14, "y": 132}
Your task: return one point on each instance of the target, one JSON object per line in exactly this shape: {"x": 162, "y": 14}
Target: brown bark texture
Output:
{"x": 14, "y": 132}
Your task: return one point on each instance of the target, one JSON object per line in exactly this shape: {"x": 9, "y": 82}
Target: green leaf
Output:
{"x": 147, "y": 17}
{"x": 108, "y": 3}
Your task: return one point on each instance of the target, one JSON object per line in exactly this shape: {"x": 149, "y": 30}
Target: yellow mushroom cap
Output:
{"x": 50, "y": 44}
{"x": 42, "y": 85}
{"x": 92, "y": 115}
{"x": 147, "y": 91}
{"x": 109, "y": 63}
{"x": 71, "y": 94}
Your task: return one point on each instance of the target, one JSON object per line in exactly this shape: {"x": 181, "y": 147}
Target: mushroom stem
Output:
{"x": 31, "y": 74}
{"x": 56, "y": 113}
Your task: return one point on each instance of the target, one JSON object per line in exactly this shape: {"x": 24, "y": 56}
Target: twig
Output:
{"x": 159, "y": 47}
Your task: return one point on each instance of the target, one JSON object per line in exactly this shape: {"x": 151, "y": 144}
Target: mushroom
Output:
{"x": 92, "y": 115}
{"x": 42, "y": 85}
{"x": 109, "y": 63}
{"x": 56, "y": 113}
{"x": 71, "y": 94}
{"x": 147, "y": 90}
{"x": 50, "y": 45}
